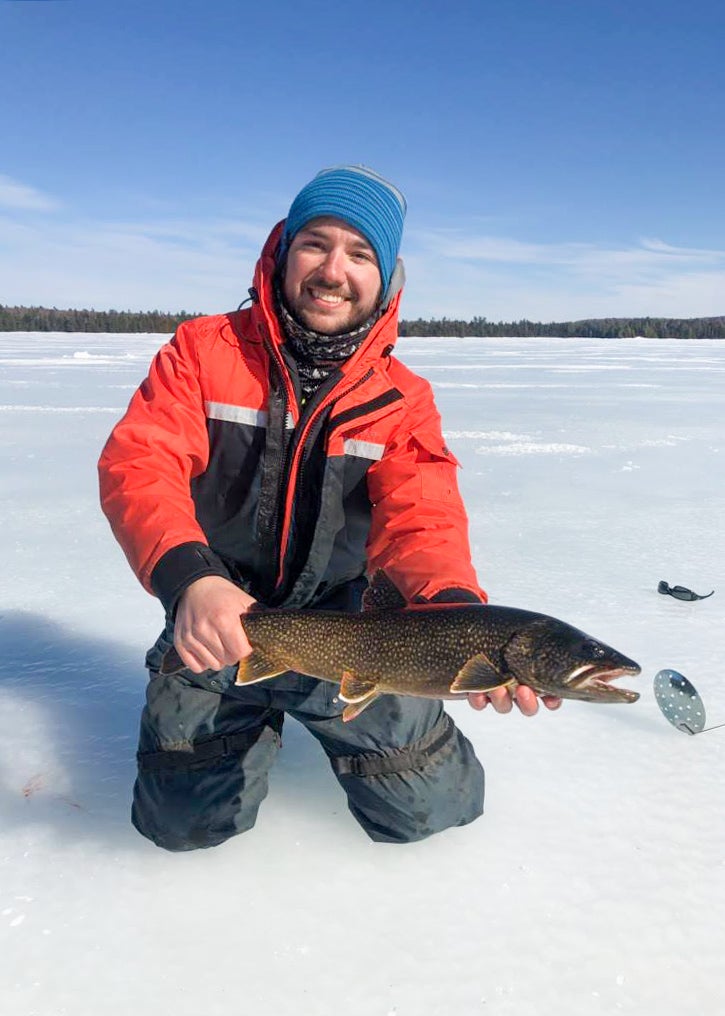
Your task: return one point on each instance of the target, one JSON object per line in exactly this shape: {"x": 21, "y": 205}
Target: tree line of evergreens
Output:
{"x": 594, "y": 328}
{"x": 50, "y": 319}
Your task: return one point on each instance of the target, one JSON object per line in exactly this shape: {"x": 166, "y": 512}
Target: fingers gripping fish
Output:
{"x": 429, "y": 650}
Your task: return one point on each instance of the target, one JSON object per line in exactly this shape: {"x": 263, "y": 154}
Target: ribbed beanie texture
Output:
{"x": 360, "y": 197}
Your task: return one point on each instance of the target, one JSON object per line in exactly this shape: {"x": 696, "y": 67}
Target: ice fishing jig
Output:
{"x": 679, "y": 701}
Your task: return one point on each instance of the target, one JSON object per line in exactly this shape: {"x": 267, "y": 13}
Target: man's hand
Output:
{"x": 208, "y": 634}
{"x": 503, "y": 700}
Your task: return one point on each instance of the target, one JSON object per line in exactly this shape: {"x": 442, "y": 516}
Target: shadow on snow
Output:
{"x": 69, "y": 712}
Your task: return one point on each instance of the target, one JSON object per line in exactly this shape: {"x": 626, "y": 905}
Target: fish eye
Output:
{"x": 595, "y": 651}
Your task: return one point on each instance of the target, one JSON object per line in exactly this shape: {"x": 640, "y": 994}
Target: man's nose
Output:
{"x": 332, "y": 268}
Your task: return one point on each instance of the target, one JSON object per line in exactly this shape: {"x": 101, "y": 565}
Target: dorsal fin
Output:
{"x": 382, "y": 594}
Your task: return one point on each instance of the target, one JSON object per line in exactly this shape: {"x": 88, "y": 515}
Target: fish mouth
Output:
{"x": 595, "y": 683}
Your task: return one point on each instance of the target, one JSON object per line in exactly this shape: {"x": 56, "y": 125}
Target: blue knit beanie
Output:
{"x": 360, "y": 197}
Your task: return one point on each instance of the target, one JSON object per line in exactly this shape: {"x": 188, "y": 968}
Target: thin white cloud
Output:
{"x": 457, "y": 274}
{"x": 194, "y": 265}
{"x": 503, "y": 250}
{"x": 186, "y": 231}
{"x": 207, "y": 263}
{"x": 20, "y": 196}
{"x": 691, "y": 253}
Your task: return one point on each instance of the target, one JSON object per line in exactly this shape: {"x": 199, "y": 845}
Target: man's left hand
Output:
{"x": 503, "y": 700}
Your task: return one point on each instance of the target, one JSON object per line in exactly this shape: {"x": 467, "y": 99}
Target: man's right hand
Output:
{"x": 208, "y": 634}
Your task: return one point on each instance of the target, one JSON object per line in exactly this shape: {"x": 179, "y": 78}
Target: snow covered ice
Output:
{"x": 595, "y": 882}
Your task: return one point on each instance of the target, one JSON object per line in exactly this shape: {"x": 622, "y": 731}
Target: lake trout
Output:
{"x": 442, "y": 651}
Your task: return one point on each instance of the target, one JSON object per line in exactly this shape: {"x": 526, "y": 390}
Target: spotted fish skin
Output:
{"x": 431, "y": 650}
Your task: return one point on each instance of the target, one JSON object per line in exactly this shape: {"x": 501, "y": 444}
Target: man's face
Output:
{"x": 331, "y": 280}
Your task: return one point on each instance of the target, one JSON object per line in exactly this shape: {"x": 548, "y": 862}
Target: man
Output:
{"x": 278, "y": 454}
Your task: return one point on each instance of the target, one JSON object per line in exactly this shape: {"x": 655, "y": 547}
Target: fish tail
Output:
{"x": 171, "y": 662}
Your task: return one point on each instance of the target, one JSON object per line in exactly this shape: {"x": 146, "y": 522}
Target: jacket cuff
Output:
{"x": 181, "y": 566}
{"x": 455, "y": 595}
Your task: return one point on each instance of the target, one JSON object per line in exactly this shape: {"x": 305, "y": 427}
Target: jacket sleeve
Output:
{"x": 145, "y": 470}
{"x": 419, "y": 526}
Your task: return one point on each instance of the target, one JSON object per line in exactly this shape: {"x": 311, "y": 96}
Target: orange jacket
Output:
{"x": 216, "y": 469}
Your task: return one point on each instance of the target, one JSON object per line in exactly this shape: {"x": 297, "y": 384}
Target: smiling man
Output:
{"x": 332, "y": 280}
{"x": 281, "y": 454}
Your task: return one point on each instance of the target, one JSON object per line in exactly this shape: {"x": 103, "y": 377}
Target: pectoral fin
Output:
{"x": 256, "y": 667}
{"x": 479, "y": 674}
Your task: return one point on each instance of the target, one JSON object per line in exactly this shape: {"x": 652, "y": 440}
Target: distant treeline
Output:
{"x": 592, "y": 328}
{"x": 50, "y": 319}
{"x": 45, "y": 319}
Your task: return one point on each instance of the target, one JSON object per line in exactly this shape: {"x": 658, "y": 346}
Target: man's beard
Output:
{"x": 308, "y": 318}
{"x": 317, "y": 353}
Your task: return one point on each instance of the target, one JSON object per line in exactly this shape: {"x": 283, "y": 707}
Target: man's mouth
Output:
{"x": 325, "y": 296}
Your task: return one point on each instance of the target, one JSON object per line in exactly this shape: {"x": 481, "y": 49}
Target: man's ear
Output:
{"x": 397, "y": 281}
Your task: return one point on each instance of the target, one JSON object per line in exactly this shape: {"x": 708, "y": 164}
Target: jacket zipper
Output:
{"x": 269, "y": 535}
{"x": 294, "y": 472}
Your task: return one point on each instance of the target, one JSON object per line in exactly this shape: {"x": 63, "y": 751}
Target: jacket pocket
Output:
{"x": 437, "y": 465}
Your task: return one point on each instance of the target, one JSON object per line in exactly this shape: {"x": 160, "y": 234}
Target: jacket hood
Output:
{"x": 379, "y": 342}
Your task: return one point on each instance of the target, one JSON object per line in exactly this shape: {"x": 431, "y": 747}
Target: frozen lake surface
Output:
{"x": 595, "y": 882}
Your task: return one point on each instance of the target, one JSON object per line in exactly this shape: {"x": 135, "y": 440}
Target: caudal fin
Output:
{"x": 171, "y": 662}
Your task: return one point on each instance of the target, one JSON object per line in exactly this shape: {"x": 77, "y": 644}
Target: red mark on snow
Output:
{"x": 34, "y": 784}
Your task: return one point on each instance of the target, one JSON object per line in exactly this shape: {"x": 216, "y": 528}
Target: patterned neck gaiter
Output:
{"x": 317, "y": 355}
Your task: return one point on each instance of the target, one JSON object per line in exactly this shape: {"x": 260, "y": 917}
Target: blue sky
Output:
{"x": 560, "y": 160}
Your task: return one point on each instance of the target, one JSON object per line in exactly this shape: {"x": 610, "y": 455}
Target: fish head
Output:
{"x": 555, "y": 659}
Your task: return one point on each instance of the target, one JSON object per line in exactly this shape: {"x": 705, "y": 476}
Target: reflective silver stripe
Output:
{"x": 236, "y": 414}
{"x": 364, "y": 449}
